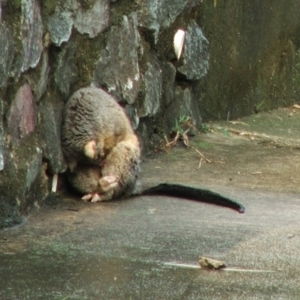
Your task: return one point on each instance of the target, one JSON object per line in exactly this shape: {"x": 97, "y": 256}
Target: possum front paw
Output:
{"x": 92, "y": 198}
{"x": 108, "y": 182}
{"x": 95, "y": 197}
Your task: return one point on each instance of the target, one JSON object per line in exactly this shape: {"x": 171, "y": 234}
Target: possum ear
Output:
{"x": 90, "y": 149}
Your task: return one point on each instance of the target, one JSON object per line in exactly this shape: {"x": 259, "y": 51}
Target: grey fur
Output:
{"x": 93, "y": 116}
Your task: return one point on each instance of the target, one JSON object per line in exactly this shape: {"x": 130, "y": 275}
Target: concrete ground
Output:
{"x": 148, "y": 247}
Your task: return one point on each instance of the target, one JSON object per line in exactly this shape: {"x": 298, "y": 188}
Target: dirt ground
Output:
{"x": 260, "y": 152}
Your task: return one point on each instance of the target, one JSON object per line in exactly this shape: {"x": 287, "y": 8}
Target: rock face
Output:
{"x": 236, "y": 56}
{"x": 22, "y": 116}
{"x": 196, "y": 58}
{"x": 123, "y": 44}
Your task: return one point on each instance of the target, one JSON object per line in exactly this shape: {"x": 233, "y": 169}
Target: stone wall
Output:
{"x": 238, "y": 56}
{"x": 254, "y": 57}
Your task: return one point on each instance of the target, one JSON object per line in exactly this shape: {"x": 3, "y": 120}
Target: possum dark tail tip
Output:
{"x": 201, "y": 195}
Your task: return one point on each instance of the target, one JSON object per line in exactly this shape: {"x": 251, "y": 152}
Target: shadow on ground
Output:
{"x": 134, "y": 249}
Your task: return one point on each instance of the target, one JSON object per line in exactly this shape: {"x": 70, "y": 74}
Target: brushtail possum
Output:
{"x": 103, "y": 153}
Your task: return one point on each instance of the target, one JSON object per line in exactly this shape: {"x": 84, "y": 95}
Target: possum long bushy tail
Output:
{"x": 201, "y": 195}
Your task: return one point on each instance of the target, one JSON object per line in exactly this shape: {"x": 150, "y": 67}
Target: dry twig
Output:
{"x": 183, "y": 134}
{"x": 186, "y": 142}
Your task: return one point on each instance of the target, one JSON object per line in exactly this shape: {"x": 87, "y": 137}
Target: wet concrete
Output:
{"x": 133, "y": 249}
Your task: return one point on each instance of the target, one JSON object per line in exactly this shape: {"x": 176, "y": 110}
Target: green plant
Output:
{"x": 204, "y": 128}
{"x": 182, "y": 121}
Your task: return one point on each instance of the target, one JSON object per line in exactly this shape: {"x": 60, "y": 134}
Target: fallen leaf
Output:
{"x": 209, "y": 263}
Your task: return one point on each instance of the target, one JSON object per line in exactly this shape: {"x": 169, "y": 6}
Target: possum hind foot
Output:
{"x": 106, "y": 183}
